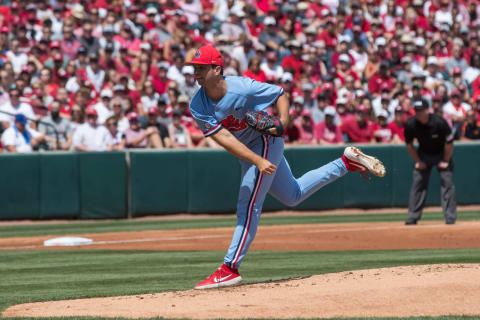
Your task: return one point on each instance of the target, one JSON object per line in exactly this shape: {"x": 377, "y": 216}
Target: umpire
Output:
{"x": 435, "y": 149}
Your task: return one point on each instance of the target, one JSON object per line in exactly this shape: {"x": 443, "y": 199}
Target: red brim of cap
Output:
{"x": 202, "y": 63}
{"x": 196, "y": 62}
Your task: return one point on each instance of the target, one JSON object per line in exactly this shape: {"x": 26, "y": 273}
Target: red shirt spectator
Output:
{"x": 306, "y": 127}
{"x": 254, "y": 72}
{"x": 380, "y": 78}
{"x": 329, "y": 36}
{"x": 397, "y": 126}
{"x": 381, "y": 131}
{"x": 294, "y": 61}
{"x": 358, "y": 129}
{"x": 326, "y": 132}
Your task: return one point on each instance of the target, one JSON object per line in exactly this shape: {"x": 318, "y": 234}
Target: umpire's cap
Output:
{"x": 420, "y": 104}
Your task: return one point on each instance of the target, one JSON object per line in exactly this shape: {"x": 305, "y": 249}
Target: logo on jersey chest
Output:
{"x": 233, "y": 124}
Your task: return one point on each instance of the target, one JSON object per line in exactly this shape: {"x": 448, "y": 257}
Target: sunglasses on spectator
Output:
{"x": 111, "y": 124}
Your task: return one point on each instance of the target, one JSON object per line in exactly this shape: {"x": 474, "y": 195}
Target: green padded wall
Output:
{"x": 213, "y": 181}
{"x": 20, "y": 186}
{"x": 208, "y": 180}
{"x": 97, "y": 185}
{"x": 103, "y": 185}
{"x": 158, "y": 182}
{"x": 467, "y": 173}
{"x": 60, "y": 186}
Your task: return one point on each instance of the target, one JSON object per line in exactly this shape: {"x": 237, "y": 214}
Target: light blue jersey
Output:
{"x": 243, "y": 94}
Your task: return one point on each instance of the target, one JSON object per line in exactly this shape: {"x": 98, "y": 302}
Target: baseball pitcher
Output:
{"x": 231, "y": 111}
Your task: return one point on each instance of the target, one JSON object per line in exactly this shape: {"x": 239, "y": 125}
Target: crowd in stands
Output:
{"x": 110, "y": 74}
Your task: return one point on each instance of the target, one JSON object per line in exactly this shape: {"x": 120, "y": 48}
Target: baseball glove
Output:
{"x": 264, "y": 123}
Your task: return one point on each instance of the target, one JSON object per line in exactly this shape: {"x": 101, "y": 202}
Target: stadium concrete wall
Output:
{"x": 141, "y": 182}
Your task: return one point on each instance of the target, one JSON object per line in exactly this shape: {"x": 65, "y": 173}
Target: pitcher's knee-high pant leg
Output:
{"x": 253, "y": 189}
{"x": 291, "y": 191}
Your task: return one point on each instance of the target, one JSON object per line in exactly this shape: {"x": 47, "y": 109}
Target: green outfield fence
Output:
{"x": 142, "y": 182}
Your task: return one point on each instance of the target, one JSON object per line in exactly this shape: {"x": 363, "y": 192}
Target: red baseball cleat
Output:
{"x": 356, "y": 160}
{"x": 223, "y": 277}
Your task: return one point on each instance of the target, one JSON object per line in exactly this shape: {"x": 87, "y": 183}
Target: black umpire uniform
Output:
{"x": 435, "y": 149}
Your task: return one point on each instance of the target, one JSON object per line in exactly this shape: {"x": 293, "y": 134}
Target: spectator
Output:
{"x": 149, "y": 98}
{"x": 178, "y": 132}
{"x": 16, "y": 57}
{"x": 152, "y": 121}
{"x": 358, "y": 129}
{"x": 19, "y": 138}
{"x": 327, "y": 132}
{"x": 292, "y": 134}
{"x": 294, "y": 62}
{"x": 94, "y": 73}
{"x": 103, "y": 106}
{"x": 90, "y": 136}
{"x": 116, "y": 139}
{"x": 189, "y": 86}
{"x": 57, "y": 130}
{"x": 13, "y": 107}
{"x": 306, "y": 127}
{"x": 91, "y": 43}
{"x": 270, "y": 37}
{"x": 309, "y": 103}
{"x": 254, "y": 72}
{"x": 397, "y": 126}
{"x": 455, "y": 110}
{"x": 381, "y": 77}
{"x": 456, "y": 60}
{"x": 77, "y": 117}
{"x": 381, "y": 130}
{"x": 70, "y": 45}
{"x": 119, "y": 114}
{"x": 136, "y": 137}
{"x": 471, "y": 127}
{"x": 272, "y": 70}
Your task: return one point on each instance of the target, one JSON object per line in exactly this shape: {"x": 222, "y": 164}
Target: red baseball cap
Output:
{"x": 91, "y": 111}
{"x": 327, "y": 86}
{"x": 361, "y": 108}
{"x": 55, "y": 44}
{"x": 132, "y": 115}
{"x": 153, "y": 110}
{"x": 207, "y": 55}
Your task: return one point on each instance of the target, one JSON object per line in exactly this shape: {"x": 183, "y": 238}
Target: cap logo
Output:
{"x": 197, "y": 54}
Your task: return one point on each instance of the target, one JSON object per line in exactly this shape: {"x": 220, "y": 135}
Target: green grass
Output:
{"x": 139, "y": 225}
{"x": 28, "y": 276}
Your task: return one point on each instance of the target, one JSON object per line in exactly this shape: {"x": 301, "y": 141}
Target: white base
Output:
{"x": 67, "y": 241}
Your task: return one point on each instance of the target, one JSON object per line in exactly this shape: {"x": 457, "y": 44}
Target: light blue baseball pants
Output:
{"x": 281, "y": 185}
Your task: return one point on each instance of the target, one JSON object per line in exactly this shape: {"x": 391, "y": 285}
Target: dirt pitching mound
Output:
{"x": 429, "y": 290}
